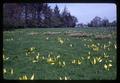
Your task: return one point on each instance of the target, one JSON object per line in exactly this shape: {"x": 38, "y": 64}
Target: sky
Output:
{"x": 85, "y": 12}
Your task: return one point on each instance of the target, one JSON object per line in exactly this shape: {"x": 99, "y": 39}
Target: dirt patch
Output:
{"x": 80, "y": 34}
{"x": 51, "y": 33}
{"x": 109, "y": 36}
{"x": 33, "y": 33}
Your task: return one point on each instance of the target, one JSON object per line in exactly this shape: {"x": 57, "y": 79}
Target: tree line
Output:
{"x": 23, "y": 15}
{"x": 99, "y": 22}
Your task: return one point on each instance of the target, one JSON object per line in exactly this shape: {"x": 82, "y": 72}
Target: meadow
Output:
{"x": 60, "y": 54}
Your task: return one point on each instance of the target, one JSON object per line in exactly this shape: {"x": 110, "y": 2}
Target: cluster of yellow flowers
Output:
{"x": 94, "y": 47}
{"x": 24, "y": 77}
{"x": 105, "y": 55}
{"x": 78, "y": 61}
{"x": 107, "y": 66}
{"x": 96, "y": 60}
{"x": 60, "y": 40}
{"x": 38, "y": 57}
{"x": 30, "y": 51}
{"x": 6, "y": 71}
{"x": 50, "y": 59}
{"x": 65, "y": 78}
{"x": 5, "y": 58}
{"x": 10, "y": 39}
{"x": 55, "y": 60}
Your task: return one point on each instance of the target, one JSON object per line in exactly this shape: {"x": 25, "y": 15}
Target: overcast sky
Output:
{"x": 85, "y": 12}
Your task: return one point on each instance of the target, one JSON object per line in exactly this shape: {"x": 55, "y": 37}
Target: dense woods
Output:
{"x": 36, "y": 15}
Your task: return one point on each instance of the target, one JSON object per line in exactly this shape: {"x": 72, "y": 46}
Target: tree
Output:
{"x": 74, "y": 21}
{"x": 11, "y": 15}
{"x": 67, "y": 19}
{"x": 96, "y": 22}
{"x": 56, "y": 18}
{"x": 105, "y": 22}
{"x": 113, "y": 23}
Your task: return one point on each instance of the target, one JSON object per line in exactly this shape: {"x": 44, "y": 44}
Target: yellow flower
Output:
{"x": 98, "y": 44}
{"x": 109, "y": 42}
{"x": 63, "y": 63}
{"x": 32, "y": 48}
{"x": 110, "y": 60}
{"x": 43, "y": 57}
{"x": 38, "y": 54}
{"x": 60, "y": 78}
{"x": 26, "y": 54}
{"x": 115, "y": 46}
{"x": 84, "y": 44}
{"x": 79, "y": 62}
{"x": 89, "y": 52}
{"x": 105, "y": 46}
{"x": 52, "y": 63}
{"x": 49, "y": 56}
{"x": 99, "y": 59}
{"x": 47, "y": 38}
{"x": 5, "y": 58}
{"x": 82, "y": 58}
{"x": 60, "y": 40}
{"x": 70, "y": 45}
{"x": 59, "y": 63}
{"x": 11, "y": 71}
{"x": 4, "y": 71}
{"x": 108, "y": 49}
{"x": 58, "y": 56}
{"x": 92, "y": 45}
{"x": 49, "y": 60}
{"x": 23, "y": 78}
{"x": 34, "y": 61}
{"x": 94, "y": 62}
{"x": 66, "y": 78}
{"x": 105, "y": 66}
{"x": 88, "y": 57}
{"x": 96, "y": 49}
{"x": 37, "y": 57}
{"x": 84, "y": 39}
{"x": 32, "y": 77}
{"x": 73, "y": 61}
{"x": 110, "y": 65}
{"x": 105, "y": 55}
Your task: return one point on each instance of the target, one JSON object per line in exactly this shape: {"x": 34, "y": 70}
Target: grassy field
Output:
{"x": 60, "y": 54}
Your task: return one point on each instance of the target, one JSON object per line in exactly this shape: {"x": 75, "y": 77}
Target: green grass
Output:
{"x": 16, "y": 44}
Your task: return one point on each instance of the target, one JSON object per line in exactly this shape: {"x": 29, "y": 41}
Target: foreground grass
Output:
{"x": 42, "y": 56}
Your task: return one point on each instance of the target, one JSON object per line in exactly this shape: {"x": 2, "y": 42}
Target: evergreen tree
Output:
{"x": 56, "y": 19}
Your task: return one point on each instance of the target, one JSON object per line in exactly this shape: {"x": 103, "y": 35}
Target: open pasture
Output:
{"x": 60, "y": 54}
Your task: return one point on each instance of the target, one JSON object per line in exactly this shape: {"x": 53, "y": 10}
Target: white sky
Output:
{"x": 85, "y": 12}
